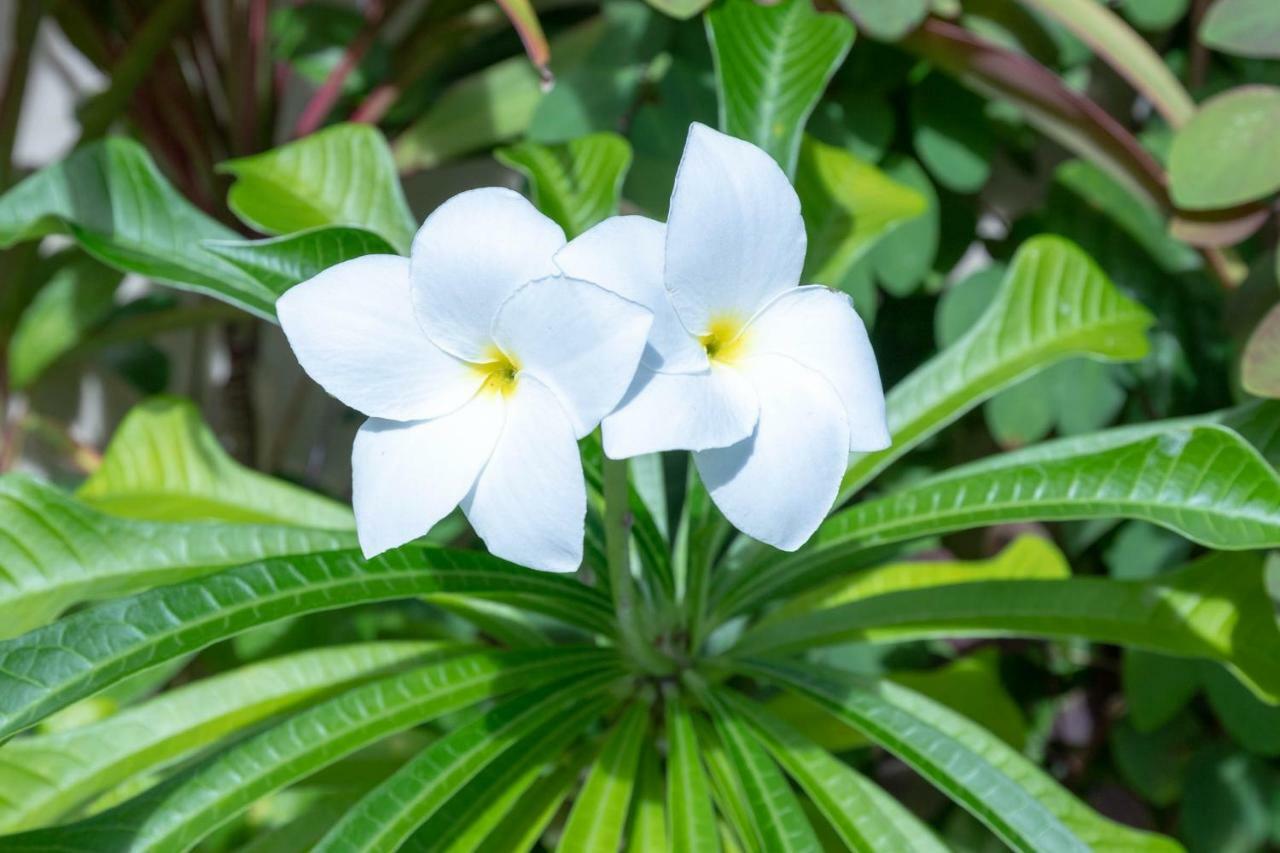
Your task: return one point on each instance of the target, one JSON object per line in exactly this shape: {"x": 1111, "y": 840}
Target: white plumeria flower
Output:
{"x": 479, "y": 368}
{"x": 771, "y": 385}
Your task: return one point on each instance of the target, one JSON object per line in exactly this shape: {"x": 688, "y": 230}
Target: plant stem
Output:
{"x": 617, "y": 532}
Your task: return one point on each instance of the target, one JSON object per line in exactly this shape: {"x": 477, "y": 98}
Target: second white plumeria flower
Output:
{"x": 479, "y": 368}
{"x": 772, "y": 385}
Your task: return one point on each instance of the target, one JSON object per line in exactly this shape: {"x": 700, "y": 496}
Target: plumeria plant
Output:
{"x": 740, "y": 459}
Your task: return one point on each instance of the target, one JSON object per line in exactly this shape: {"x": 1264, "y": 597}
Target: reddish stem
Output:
{"x": 317, "y": 109}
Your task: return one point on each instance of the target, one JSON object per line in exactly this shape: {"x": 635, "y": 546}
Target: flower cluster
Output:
{"x": 485, "y": 356}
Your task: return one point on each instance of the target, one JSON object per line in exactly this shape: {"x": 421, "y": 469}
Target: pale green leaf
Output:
{"x": 1216, "y": 609}
{"x": 1243, "y": 27}
{"x": 847, "y": 204}
{"x": 49, "y": 668}
{"x": 772, "y": 65}
{"x": 1260, "y": 365}
{"x": 1026, "y": 808}
{"x": 1229, "y": 153}
{"x": 693, "y": 822}
{"x": 599, "y": 815}
{"x": 278, "y": 263}
{"x": 110, "y": 197}
{"x": 342, "y": 175}
{"x": 56, "y": 552}
{"x": 164, "y": 464}
{"x": 179, "y": 812}
{"x": 887, "y": 20}
{"x": 43, "y": 778}
{"x": 576, "y": 183}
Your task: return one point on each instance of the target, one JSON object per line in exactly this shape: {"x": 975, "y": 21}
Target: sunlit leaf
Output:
{"x": 693, "y": 823}
{"x": 164, "y": 464}
{"x": 772, "y": 64}
{"x": 600, "y": 810}
{"x": 278, "y": 263}
{"x": 576, "y": 183}
{"x": 342, "y": 175}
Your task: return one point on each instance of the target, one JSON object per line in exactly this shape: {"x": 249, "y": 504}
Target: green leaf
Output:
{"x": 1055, "y": 303}
{"x": 994, "y": 782}
{"x": 863, "y": 815}
{"x": 737, "y": 832}
{"x": 847, "y": 205}
{"x": 528, "y": 819}
{"x": 1154, "y": 14}
{"x": 648, "y": 833}
{"x": 772, "y": 65}
{"x": 1155, "y": 764}
{"x": 1229, "y": 153}
{"x": 110, "y": 197}
{"x": 949, "y": 135}
{"x": 693, "y": 822}
{"x": 164, "y": 464}
{"x": 887, "y": 20}
{"x": 1252, "y": 723}
{"x": 54, "y": 666}
{"x": 599, "y": 814}
{"x": 278, "y": 263}
{"x": 56, "y": 552}
{"x": 905, "y": 256}
{"x": 342, "y": 175}
{"x": 179, "y": 812}
{"x": 78, "y": 764}
{"x": 78, "y": 296}
{"x": 389, "y": 814}
{"x": 1156, "y": 687}
{"x": 1234, "y": 795}
{"x": 776, "y": 816}
{"x": 1243, "y": 27}
{"x": 681, "y": 10}
{"x": 1216, "y": 608}
{"x": 1260, "y": 366}
{"x": 576, "y": 183}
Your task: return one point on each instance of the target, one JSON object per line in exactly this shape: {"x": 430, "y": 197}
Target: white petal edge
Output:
{"x": 407, "y": 476}
{"x": 779, "y": 484}
{"x": 735, "y": 238}
{"x": 681, "y": 411}
{"x": 352, "y": 330}
{"x": 820, "y": 328}
{"x": 624, "y": 254}
{"x": 469, "y": 256}
{"x": 581, "y": 341}
{"x": 529, "y": 504}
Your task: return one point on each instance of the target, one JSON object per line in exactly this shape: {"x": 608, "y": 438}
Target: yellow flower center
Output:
{"x": 724, "y": 340}
{"x": 501, "y": 372}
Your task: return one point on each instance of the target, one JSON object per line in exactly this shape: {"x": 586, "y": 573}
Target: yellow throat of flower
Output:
{"x": 724, "y": 341}
{"x": 501, "y": 372}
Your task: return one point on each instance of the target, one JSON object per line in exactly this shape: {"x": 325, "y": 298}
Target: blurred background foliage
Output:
{"x": 927, "y": 139}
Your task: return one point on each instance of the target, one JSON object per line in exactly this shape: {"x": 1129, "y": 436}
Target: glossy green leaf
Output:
{"x": 278, "y": 263}
{"x": 77, "y": 297}
{"x": 693, "y": 822}
{"x": 110, "y": 197}
{"x": 862, "y": 814}
{"x": 1215, "y": 608}
{"x": 51, "y": 667}
{"x": 179, "y": 812}
{"x": 43, "y": 778}
{"x": 164, "y": 464}
{"x": 648, "y": 832}
{"x": 389, "y": 814}
{"x": 56, "y": 552}
{"x": 599, "y": 815}
{"x": 1026, "y": 808}
{"x": 776, "y": 816}
{"x": 1055, "y": 303}
{"x": 772, "y": 64}
{"x": 1229, "y": 153}
{"x": 847, "y": 204}
{"x": 529, "y": 818}
{"x": 1243, "y": 28}
{"x": 576, "y": 183}
{"x": 342, "y": 175}
{"x": 1260, "y": 365}
{"x": 1201, "y": 481}
{"x": 737, "y": 831}
{"x": 887, "y": 20}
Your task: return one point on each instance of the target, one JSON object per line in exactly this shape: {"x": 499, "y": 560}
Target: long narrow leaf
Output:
{"x": 693, "y": 821}
{"x": 599, "y": 814}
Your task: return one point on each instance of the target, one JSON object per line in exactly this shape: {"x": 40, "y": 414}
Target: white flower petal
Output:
{"x": 469, "y": 256}
{"x": 734, "y": 235}
{"x": 681, "y": 411}
{"x": 579, "y": 340}
{"x": 530, "y": 503}
{"x": 407, "y": 476}
{"x": 778, "y": 485}
{"x": 819, "y": 328}
{"x": 352, "y": 330}
{"x": 624, "y": 254}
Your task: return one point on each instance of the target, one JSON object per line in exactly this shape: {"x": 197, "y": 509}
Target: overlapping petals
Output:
{"x": 479, "y": 371}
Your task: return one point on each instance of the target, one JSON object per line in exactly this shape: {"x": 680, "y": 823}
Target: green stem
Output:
{"x": 617, "y": 533}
